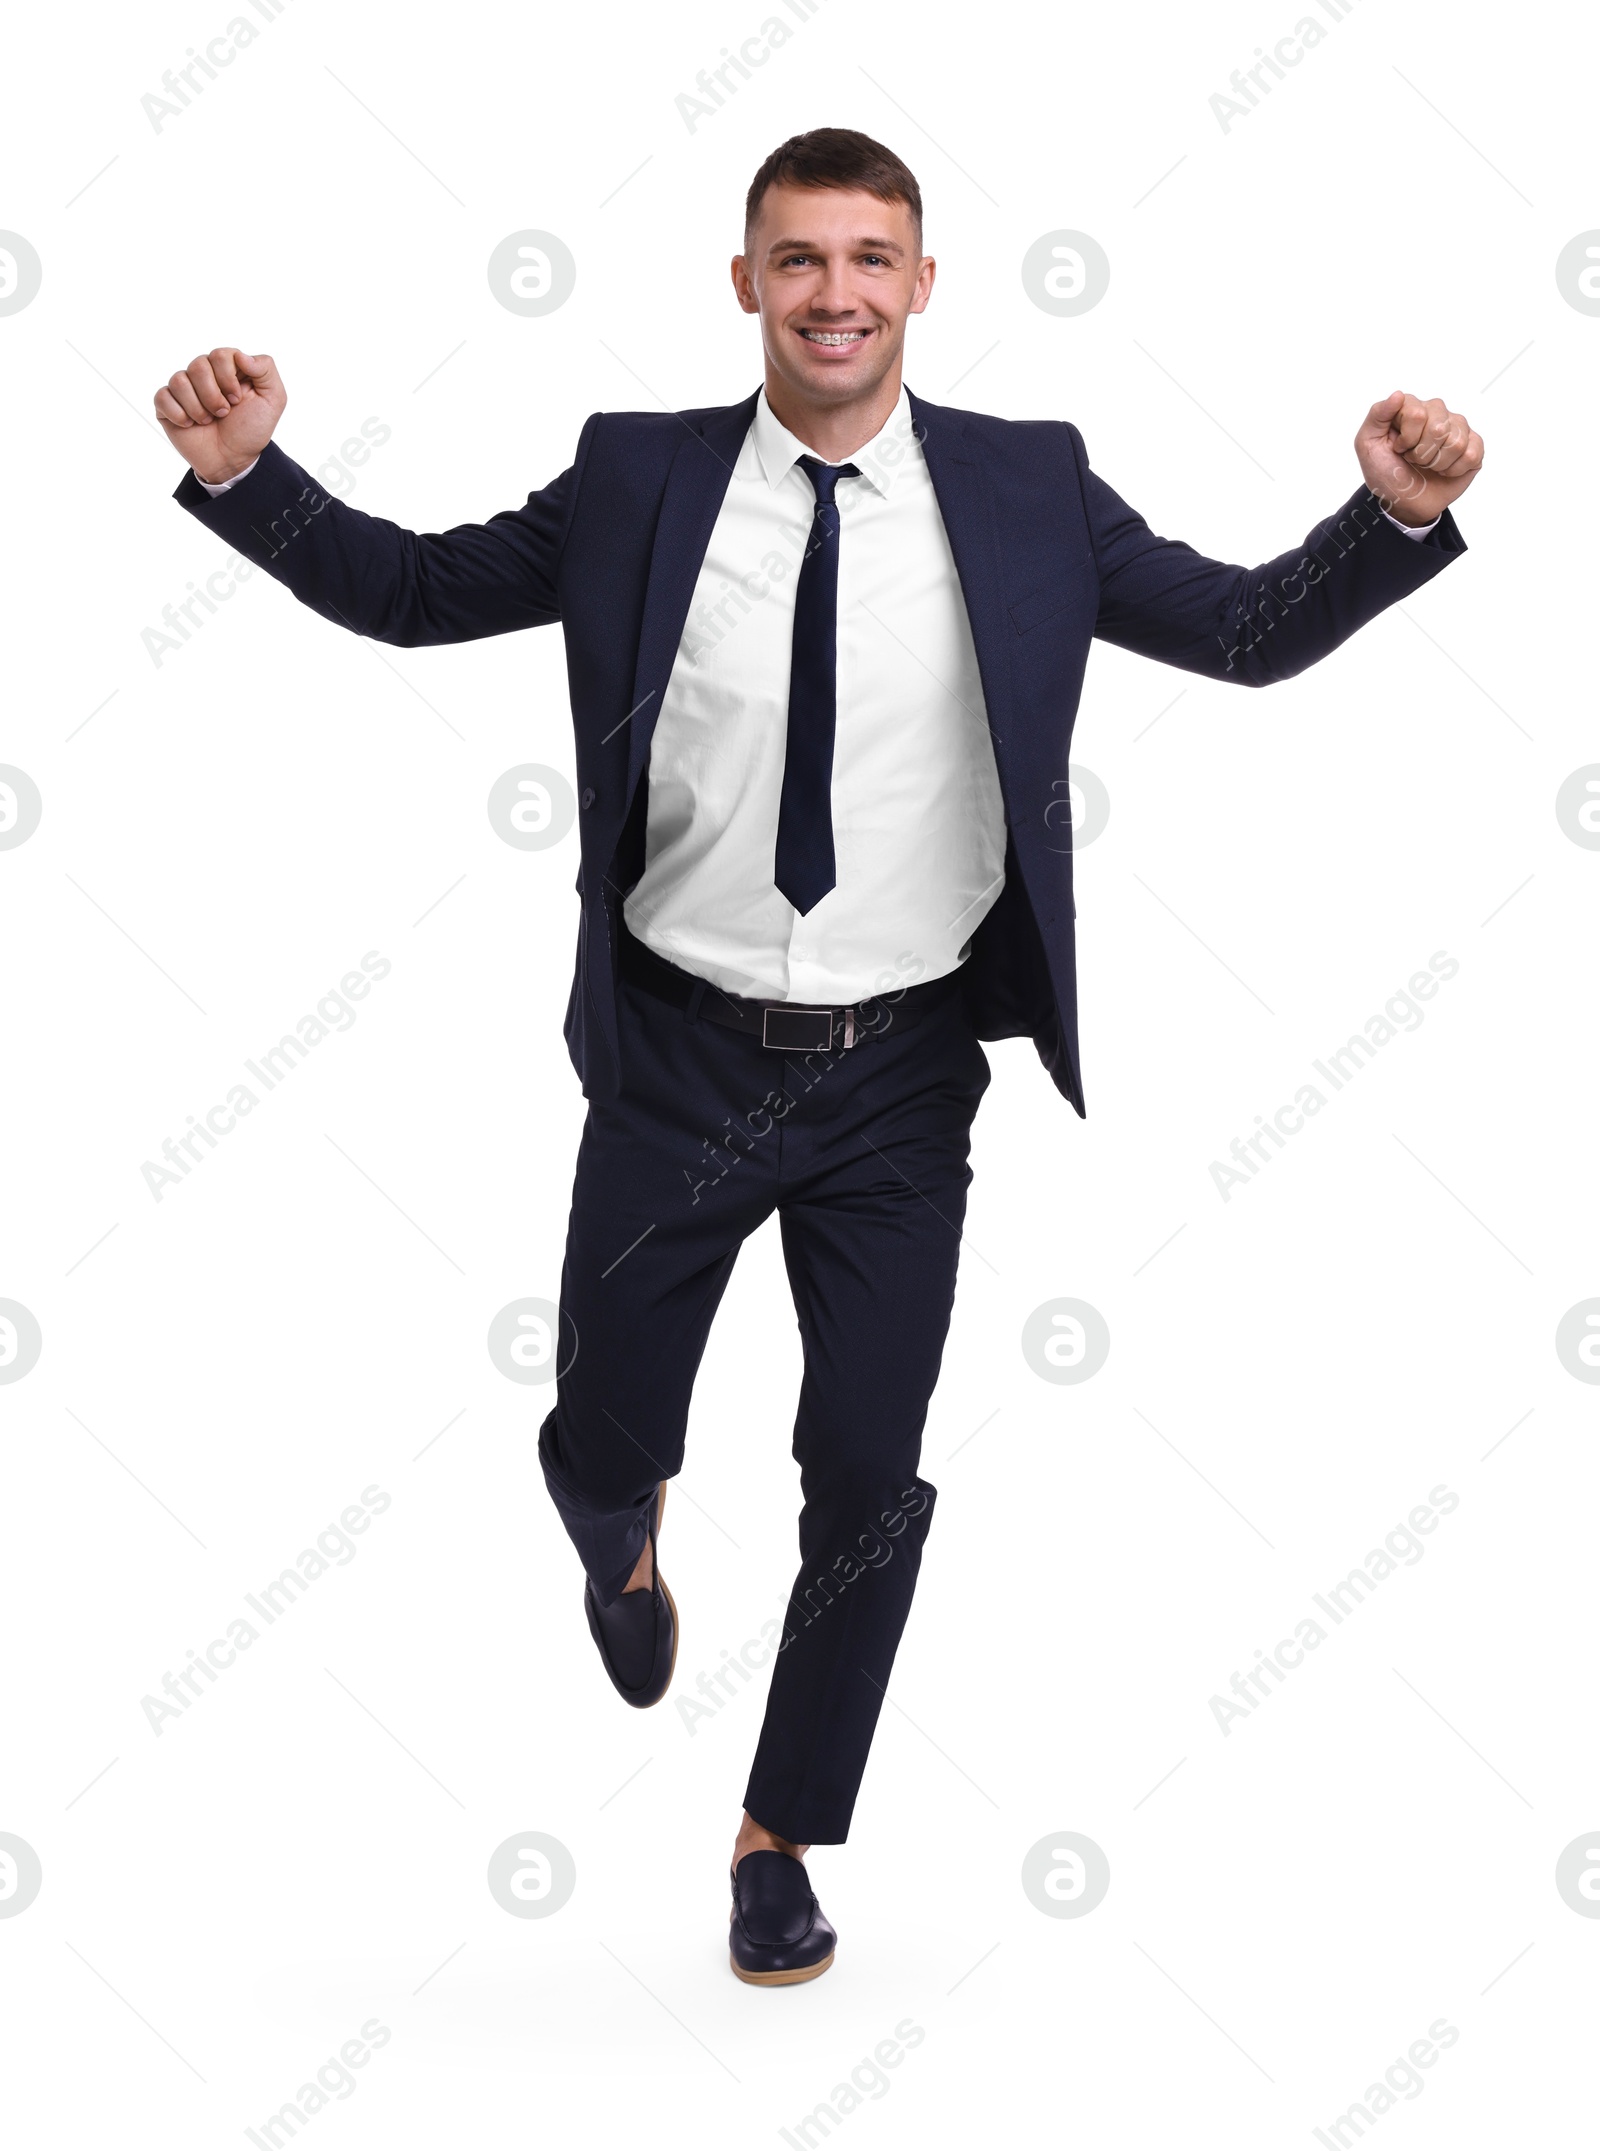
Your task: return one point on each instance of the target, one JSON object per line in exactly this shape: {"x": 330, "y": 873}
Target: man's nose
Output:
{"x": 836, "y": 294}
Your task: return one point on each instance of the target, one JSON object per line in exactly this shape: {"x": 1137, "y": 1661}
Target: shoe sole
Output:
{"x": 672, "y": 1603}
{"x": 677, "y": 1634}
{"x": 780, "y": 1979}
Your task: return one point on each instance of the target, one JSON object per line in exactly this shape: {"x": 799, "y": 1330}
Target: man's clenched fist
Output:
{"x": 1417, "y": 457}
{"x": 220, "y": 411}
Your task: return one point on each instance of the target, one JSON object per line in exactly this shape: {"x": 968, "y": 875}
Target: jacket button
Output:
{"x": 588, "y": 795}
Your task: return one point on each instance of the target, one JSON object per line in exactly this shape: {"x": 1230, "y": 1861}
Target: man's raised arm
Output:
{"x": 1256, "y": 625}
{"x": 359, "y": 571}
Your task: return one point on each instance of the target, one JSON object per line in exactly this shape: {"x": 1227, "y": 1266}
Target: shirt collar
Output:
{"x": 778, "y": 450}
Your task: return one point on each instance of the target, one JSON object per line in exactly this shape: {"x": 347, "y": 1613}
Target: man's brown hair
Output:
{"x": 836, "y": 157}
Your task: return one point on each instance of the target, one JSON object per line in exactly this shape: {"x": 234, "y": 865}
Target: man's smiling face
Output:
{"x": 833, "y": 273}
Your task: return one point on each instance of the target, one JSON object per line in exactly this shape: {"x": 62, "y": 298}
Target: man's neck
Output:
{"x": 834, "y": 431}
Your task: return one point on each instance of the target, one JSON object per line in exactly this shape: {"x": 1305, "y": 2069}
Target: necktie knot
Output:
{"x": 825, "y": 476}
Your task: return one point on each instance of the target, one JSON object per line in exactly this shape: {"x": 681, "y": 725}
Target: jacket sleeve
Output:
{"x": 397, "y": 586}
{"x": 1162, "y": 599}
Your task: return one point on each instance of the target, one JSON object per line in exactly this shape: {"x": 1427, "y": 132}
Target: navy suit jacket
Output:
{"x": 1048, "y": 557}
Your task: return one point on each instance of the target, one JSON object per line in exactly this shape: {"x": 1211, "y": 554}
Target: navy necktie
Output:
{"x": 803, "y": 865}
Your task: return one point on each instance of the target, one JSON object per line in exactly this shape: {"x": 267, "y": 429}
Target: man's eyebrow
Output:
{"x": 811, "y": 246}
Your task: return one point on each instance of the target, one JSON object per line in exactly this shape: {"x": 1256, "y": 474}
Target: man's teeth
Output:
{"x": 833, "y": 336}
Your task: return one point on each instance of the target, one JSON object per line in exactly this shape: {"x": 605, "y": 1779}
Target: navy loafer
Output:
{"x": 637, "y": 1634}
{"x": 778, "y": 1933}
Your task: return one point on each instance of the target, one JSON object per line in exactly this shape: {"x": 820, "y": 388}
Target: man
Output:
{"x": 824, "y": 649}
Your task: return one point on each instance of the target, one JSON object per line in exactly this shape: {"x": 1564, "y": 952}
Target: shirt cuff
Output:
{"x": 1412, "y": 530}
{"x": 214, "y": 490}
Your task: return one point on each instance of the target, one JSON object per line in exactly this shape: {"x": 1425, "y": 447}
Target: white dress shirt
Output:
{"x": 918, "y": 819}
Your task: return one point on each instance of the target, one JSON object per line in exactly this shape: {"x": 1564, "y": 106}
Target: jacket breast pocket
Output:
{"x": 1076, "y": 584}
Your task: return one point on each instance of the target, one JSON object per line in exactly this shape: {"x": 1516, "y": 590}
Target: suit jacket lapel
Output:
{"x": 696, "y": 484}
{"x": 965, "y": 495}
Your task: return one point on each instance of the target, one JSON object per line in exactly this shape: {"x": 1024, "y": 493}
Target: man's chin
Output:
{"x": 830, "y": 383}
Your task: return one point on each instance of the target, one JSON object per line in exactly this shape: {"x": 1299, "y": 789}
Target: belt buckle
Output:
{"x": 796, "y": 1030}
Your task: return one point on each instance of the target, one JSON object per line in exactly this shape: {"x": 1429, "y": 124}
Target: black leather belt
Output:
{"x": 783, "y": 1025}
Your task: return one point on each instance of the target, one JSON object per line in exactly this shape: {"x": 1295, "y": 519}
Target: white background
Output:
{"x": 226, "y": 1904}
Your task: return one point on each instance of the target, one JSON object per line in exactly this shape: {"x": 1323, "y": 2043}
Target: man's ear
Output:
{"x": 744, "y": 290}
